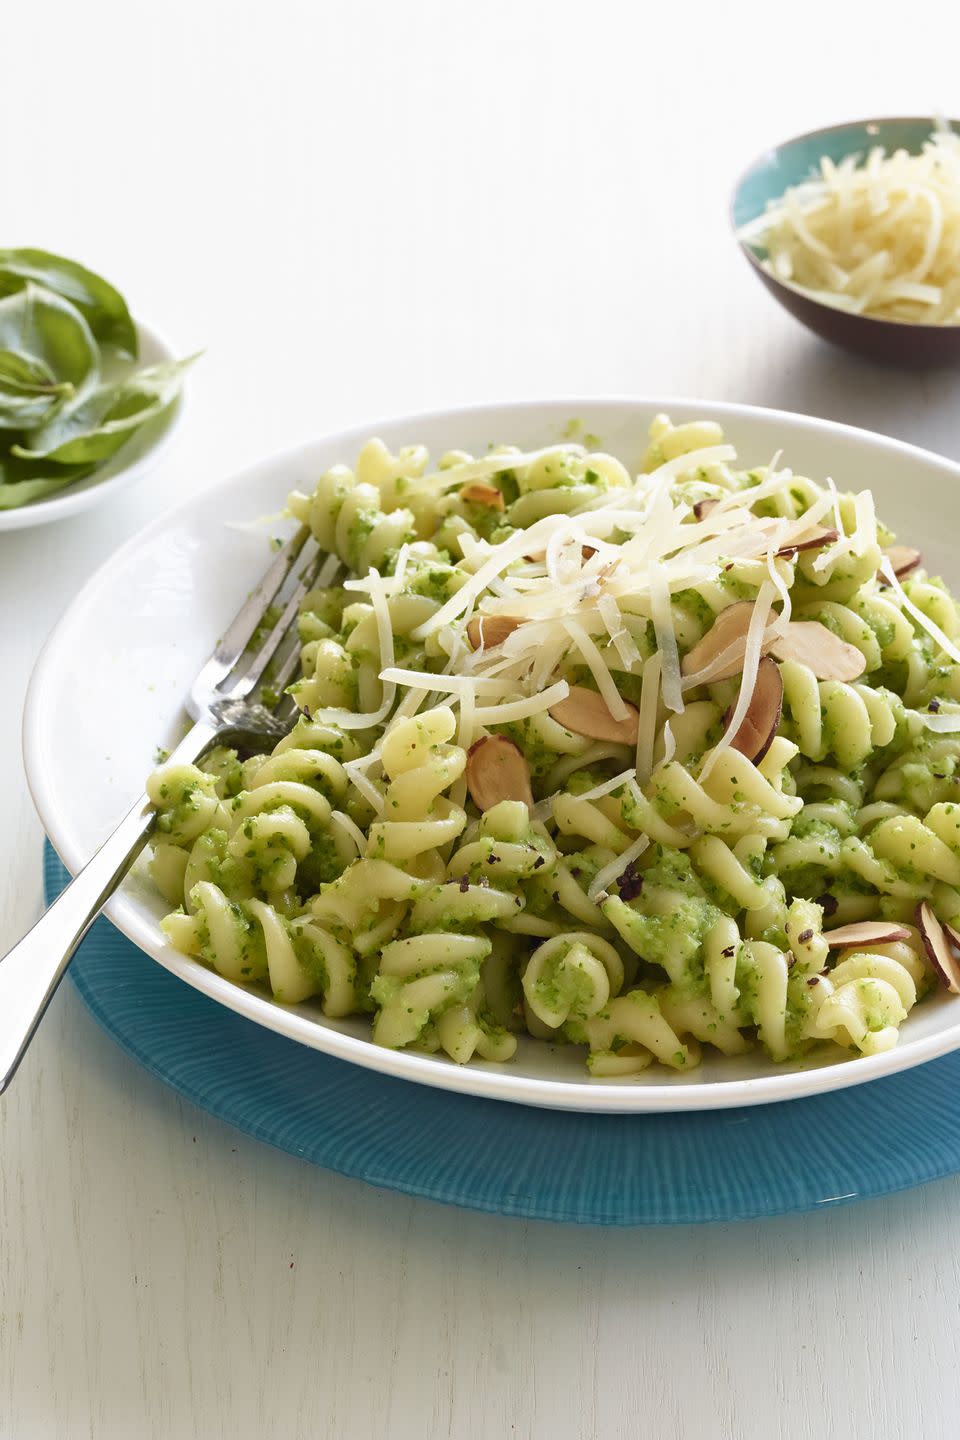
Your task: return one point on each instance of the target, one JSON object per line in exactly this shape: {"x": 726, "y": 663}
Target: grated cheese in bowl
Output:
{"x": 877, "y": 235}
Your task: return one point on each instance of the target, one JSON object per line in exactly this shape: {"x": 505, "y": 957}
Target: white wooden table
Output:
{"x": 364, "y": 209}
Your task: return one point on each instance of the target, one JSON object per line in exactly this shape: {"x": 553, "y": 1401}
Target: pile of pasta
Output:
{"x": 638, "y": 762}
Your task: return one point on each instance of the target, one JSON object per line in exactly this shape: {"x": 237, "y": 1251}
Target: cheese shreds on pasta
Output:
{"x": 751, "y": 663}
{"x": 590, "y": 747}
{"x": 873, "y": 235}
{"x": 608, "y": 786}
{"x": 352, "y": 829}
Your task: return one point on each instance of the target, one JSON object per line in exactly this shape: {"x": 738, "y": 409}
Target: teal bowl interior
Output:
{"x": 798, "y": 160}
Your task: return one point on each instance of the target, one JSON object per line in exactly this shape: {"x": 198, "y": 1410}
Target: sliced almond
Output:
{"x": 728, "y": 632}
{"x": 903, "y": 559}
{"x": 703, "y": 507}
{"x": 586, "y": 713}
{"x": 480, "y": 494}
{"x": 497, "y": 770}
{"x": 812, "y": 644}
{"x": 937, "y": 946}
{"x": 865, "y": 932}
{"x": 762, "y": 720}
{"x": 814, "y": 539}
{"x": 486, "y": 631}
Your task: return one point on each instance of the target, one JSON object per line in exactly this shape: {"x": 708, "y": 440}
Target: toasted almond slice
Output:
{"x": 497, "y": 770}
{"x": 814, "y": 539}
{"x": 762, "y": 720}
{"x": 480, "y": 494}
{"x": 728, "y": 630}
{"x": 813, "y": 645}
{"x": 703, "y": 507}
{"x": 865, "y": 932}
{"x": 486, "y": 631}
{"x": 903, "y": 559}
{"x": 585, "y": 713}
{"x": 938, "y": 948}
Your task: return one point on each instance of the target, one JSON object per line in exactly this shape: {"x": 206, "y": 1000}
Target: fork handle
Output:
{"x": 32, "y": 970}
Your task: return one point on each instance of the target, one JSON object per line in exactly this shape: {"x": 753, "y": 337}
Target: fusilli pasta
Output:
{"x": 639, "y": 763}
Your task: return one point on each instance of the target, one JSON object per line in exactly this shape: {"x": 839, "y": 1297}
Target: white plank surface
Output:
{"x": 363, "y": 209}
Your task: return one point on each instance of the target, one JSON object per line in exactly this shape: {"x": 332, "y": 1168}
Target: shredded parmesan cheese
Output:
{"x": 647, "y": 723}
{"x": 877, "y": 238}
{"x": 349, "y": 719}
{"x": 366, "y": 786}
{"x": 751, "y": 664}
{"x": 945, "y": 723}
{"x": 444, "y": 684}
{"x": 924, "y": 620}
{"x": 520, "y": 709}
{"x": 352, "y": 829}
{"x": 599, "y": 669}
{"x": 608, "y": 785}
{"x": 460, "y": 475}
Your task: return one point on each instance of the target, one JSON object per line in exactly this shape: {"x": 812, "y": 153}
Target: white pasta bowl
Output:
{"x": 136, "y": 634}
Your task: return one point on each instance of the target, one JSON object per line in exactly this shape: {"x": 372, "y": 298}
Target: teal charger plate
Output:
{"x": 509, "y": 1159}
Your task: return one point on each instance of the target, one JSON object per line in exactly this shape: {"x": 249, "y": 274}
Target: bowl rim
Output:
{"x": 84, "y": 495}
{"x": 597, "y": 1096}
{"x": 916, "y": 326}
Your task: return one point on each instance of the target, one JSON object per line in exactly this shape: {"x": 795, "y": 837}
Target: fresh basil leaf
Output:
{"x": 29, "y": 391}
{"x": 103, "y": 307}
{"x": 47, "y": 330}
{"x": 96, "y": 426}
{"x": 25, "y": 372}
{"x": 21, "y": 483}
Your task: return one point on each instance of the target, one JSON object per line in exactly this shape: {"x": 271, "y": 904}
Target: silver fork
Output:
{"x": 223, "y": 706}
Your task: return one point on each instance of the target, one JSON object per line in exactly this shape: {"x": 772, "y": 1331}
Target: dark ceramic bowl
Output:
{"x": 894, "y": 341}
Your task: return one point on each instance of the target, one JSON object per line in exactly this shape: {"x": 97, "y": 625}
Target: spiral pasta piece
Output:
{"x": 420, "y": 766}
{"x": 571, "y": 976}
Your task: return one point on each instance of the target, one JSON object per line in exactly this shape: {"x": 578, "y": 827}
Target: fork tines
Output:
{"x": 239, "y": 663}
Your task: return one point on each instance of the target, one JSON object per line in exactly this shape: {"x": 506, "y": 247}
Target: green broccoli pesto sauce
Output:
{"x": 539, "y": 757}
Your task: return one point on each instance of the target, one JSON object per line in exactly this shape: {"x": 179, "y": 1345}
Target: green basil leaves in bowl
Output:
{"x": 86, "y": 394}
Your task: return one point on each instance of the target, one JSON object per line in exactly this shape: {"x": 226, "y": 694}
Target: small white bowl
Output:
{"x": 131, "y": 462}
{"x": 138, "y": 631}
